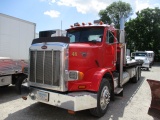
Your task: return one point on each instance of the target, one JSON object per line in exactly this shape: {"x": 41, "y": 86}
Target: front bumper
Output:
{"x": 74, "y": 101}
{"x": 146, "y": 65}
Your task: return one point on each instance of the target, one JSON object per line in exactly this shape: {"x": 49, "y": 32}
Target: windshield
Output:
{"x": 85, "y": 35}
{"x": 141, "y": 54}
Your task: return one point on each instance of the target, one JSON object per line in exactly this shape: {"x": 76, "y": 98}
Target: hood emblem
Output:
{"x": 84, "y": 54}
{"x": 44, "y": 47}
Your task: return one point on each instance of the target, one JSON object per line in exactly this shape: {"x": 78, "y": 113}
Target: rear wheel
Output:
{"x": 137, "y": 76}
{"x": 139, "y": 73}
{"x": 103, "y": 99}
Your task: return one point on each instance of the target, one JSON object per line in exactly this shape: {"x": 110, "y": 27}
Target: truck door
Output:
{"x": 110, "y": 49}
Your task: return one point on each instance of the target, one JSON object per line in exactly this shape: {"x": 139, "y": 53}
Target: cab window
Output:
{"x": 85, "y": 34}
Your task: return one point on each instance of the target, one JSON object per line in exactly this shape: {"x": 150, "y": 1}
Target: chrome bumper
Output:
{"x": 146, "y": 65}
{"x": 75, "y": 101}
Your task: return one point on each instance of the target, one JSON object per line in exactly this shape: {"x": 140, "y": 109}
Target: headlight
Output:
{"x": 75, "y": 75}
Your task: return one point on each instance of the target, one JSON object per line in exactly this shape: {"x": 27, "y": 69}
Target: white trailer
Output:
{"x": 16, "y": 36}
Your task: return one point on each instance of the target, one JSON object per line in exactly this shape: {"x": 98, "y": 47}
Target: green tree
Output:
{"x": 114, "y": 11}
{"x": 143, "y": 32}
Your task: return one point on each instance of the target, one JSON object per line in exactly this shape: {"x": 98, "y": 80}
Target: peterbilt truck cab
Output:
{"x": 83, "y": 70}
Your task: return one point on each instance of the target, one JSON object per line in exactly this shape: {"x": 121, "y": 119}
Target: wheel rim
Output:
{"x": 105, "y": 97}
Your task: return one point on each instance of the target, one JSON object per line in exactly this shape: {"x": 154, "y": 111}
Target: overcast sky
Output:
{"x": 48, "y": 14}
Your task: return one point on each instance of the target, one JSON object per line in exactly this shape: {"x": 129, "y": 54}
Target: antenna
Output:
{"x": 61, "y": 27}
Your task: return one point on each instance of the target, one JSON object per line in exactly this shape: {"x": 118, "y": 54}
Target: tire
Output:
{"x": 19, "y": 82}
{"x": 139, "y": 73}
{"x": 5, "y": 86}
{"x": 136, "y": 77}
{"x": 103, "y": 99}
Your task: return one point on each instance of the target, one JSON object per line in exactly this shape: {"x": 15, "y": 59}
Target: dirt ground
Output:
{"x": 134, "y": 104}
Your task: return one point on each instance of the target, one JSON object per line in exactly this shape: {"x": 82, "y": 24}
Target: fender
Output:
{"x": 92, "y": 80}
{"x": 97, "y": 78}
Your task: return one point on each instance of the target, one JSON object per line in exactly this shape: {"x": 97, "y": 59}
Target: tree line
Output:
{"x": 142, "y": 32}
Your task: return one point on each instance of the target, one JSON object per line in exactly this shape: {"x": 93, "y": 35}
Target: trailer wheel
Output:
{"x": 139, "y": 73}
{"x": 103, "y": 99}
{"x": 136, "y": 77}
{"x": 19, "y": 82}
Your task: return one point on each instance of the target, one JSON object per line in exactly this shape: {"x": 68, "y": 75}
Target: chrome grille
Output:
{"x": 45, "y": 67}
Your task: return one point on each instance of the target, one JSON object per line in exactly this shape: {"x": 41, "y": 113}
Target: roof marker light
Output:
{"x": 89, "y": 23}
{"x": 83, "y": 24}
{"x": 101, "y": 23}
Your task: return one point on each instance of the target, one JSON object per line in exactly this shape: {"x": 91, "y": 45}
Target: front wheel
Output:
{"x": 103, "y": 99}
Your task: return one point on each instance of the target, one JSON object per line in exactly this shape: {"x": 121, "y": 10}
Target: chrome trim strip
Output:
{"x": 52, "y": 66}
{"x": 43, "y": 64}
{"x": 35, "y": 65}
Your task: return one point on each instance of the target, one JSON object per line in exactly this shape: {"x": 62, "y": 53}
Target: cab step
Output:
{"x": 118, "y": 90}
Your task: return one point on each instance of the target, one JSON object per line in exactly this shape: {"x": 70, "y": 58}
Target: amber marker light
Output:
{"x": 101, "y": 23}
{"x": 83, "y": 24}
{"x": 24, "y": 97}
{"x": 80, "y": 75}
{"x": 71, "y": 112}
{"x": 22, "y": 69}
{"x": 121, "y": 45}
{"x": 89, "y": 23}
{"x": 81, "y": 87}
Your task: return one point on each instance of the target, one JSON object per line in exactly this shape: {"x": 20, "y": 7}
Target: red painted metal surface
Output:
{"x": 93, "y": 59}
{"x": 155, "y": 91}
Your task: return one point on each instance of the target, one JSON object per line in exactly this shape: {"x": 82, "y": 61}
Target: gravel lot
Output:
{"x": 134, "y": 105}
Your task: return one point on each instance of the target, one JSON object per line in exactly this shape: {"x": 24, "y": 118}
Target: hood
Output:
{"x": 83, "y": 56}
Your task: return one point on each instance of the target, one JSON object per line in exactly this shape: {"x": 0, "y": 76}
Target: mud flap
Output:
{"x": 155, "y": 91}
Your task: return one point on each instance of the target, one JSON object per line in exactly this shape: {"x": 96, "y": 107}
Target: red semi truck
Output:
{"x": 83, "y": 70}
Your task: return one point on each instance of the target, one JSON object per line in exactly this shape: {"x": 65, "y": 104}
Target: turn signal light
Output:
{"x": 81, "y": 87}
{"x": 80, "y": 75}
{"x": 71, "y": 112}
